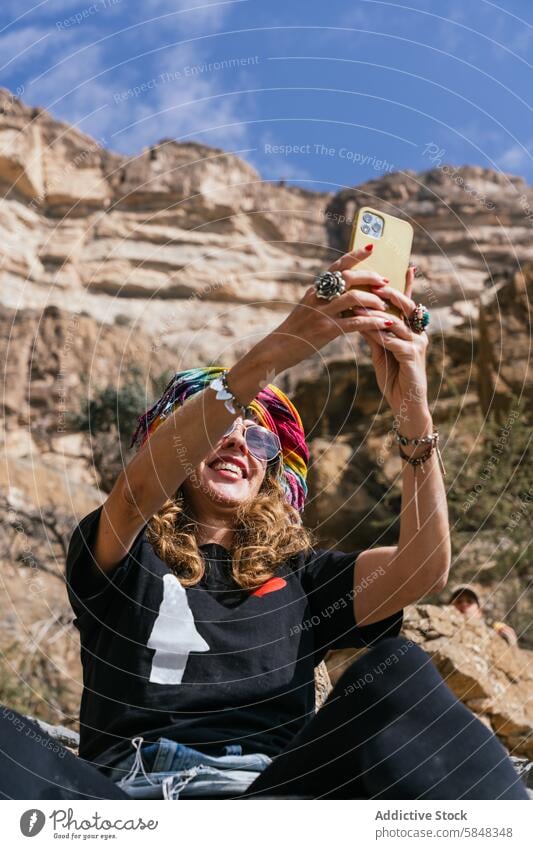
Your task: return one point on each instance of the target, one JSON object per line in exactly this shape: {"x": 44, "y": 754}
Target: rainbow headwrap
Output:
{"x": 273, "y": 409}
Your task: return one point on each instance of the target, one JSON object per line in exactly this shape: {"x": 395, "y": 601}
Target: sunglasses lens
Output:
{"x": 262, "y": 443}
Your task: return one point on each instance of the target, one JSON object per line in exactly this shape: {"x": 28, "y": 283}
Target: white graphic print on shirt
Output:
{"x": 174, "y": 635}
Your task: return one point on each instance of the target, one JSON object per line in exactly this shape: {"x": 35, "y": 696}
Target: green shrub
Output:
{"x": 114, "y": 407}
{"x": 110, "y": 418}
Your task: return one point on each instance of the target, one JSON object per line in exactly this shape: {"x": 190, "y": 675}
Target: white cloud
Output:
{"x": 183, "y": 107}
{"x": 71, "y": 92}
{"x": 516, "y": 157}
{"x": 195, "y": 12}
{"x": 279, "y": 166}
{"x": 20, "y": 47}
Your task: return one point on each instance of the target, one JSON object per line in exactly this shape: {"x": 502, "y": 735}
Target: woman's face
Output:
{"x": 229, "y": 475}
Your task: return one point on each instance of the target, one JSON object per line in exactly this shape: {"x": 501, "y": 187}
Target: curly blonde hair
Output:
{"x": 267, "y": 531}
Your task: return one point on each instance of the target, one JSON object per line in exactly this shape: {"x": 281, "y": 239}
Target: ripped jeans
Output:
{"x": 169, "y": 770}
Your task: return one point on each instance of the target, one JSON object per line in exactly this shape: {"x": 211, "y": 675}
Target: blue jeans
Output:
{"x": 169, "y": 770}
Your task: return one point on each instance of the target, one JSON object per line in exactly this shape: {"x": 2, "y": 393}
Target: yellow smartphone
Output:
{"x": 392, "y": 239}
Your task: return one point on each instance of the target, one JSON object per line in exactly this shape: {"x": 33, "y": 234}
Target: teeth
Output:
{"x": 231, "y": 467}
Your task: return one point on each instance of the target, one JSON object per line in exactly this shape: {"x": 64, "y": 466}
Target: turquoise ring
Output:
{"x": 419, "y": 319}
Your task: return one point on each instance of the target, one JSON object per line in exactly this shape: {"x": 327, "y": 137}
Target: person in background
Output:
{"x": 466, "y": 600}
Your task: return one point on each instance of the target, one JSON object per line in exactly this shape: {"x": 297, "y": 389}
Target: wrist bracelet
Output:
{"x": 224, "y": 393}
{"x": 404, "y": 441}
{"x": 416, "y": 462}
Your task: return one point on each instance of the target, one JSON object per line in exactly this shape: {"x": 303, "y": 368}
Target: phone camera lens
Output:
{"x": 376, "y": 227}
{"x": 367, "y": 217}
{"x": 365, "y": 228}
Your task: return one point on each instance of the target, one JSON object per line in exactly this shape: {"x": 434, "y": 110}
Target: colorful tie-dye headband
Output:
{"x": 273, "y": 409}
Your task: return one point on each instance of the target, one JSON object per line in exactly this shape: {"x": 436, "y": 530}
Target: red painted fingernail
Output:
{"x": 369, "y": 247}
{"x": 388, "y": 323}
{"x": 385, "y": 279}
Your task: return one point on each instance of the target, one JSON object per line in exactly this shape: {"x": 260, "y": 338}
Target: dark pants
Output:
{"x": 33, "y": 766}
{"x": 392, "y": 729}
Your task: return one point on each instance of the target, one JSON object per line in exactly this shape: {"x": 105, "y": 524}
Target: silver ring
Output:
{"x": 330, "y": 285}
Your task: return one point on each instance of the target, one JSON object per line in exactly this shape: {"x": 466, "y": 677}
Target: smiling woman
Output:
{"x": 245, "y": 476}
{"x": 204, "y": 607}
{"x": 267, "y": 529}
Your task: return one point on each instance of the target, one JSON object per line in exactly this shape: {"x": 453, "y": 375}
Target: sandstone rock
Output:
{"x": 64, "y": 736}
{"x": 505, "y": 343}
{"x": 57, "y": 167}
{"x": 452, "y": 258}
{"x": 180, "y": 218}
{"x": 341, "y": 492}
{"x": 39, "y": 645}
{"x": 322, "y": 685}
{"x": 21, "y": 155}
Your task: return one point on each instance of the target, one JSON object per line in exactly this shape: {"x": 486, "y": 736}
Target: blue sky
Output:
{"x": 320, "y": 94}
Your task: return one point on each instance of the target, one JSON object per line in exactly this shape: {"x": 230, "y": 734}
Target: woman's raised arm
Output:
{"x": 187, "y": 436}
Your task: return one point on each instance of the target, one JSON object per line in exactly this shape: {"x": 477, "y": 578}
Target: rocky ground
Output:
{"x": 116, "y": 266}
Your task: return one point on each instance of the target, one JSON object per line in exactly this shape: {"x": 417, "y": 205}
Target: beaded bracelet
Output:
{"x": 432, "y": 441}
{"x": 224, "y": 393}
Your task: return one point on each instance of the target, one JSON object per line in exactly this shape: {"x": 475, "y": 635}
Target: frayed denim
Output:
{"x": 169, "y": 770}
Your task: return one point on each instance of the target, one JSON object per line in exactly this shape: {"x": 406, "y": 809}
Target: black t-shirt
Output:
{"x": 209, "y": 665}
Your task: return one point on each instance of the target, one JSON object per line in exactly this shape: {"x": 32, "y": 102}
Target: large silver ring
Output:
{"x": 330, "y": 285}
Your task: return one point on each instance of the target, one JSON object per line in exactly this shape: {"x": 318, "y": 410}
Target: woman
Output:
{"x": 203, "y": 606}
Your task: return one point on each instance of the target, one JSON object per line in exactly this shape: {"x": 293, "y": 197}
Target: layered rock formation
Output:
{"x": 180, "y": 222}
{"x": 504, "y": 355}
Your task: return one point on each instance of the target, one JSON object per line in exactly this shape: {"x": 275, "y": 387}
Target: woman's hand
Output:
{"x": 314, "y": 322}
{"x": 399, "y": 358}
{"x": 398, "y": 354}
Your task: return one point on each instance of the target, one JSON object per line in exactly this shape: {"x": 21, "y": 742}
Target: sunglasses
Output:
{"x": 261, "y": 442}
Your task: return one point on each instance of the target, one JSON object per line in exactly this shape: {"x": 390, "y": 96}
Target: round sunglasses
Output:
{"x": 261, "y": 442}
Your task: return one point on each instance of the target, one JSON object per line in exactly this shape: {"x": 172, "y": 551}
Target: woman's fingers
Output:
{"x": 364, "y": 319}
{"x": 352, "y": 299}
{"x": 363, "y": 277}
{"x": 349, "y": 259}
{"x": 398, "y": 348}
{"x": 384, "y": 321}
{"x": 372, "y": 340}
{"x": 399, "y": 299}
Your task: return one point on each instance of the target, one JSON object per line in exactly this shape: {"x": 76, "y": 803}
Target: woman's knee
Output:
{"x": 385, "y": 660}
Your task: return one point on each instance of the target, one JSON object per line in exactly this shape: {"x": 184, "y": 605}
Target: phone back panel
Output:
{"x": 392, "y": 249}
